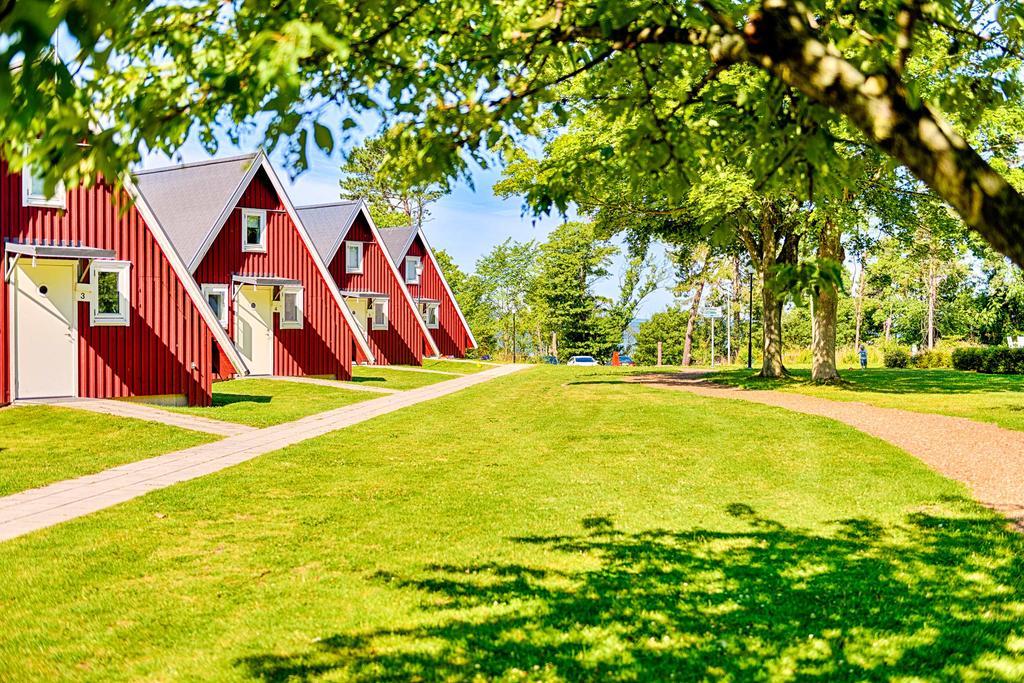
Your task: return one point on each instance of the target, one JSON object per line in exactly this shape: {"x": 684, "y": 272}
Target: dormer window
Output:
{"x": 33, "y": 191}
{"x": 254, "y": 230}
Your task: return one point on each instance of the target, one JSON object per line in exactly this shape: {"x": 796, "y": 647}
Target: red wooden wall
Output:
{"x": 324, "y": 345}
{"x": 451, "y": 336}
{"x": 402, "y": 343}
{"x": 155, "y": 354}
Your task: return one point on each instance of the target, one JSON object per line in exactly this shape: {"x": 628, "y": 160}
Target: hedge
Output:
{"x": 932, "y": 359}
{"x": 994, "y": 360}
{"x": 896, "y": 358}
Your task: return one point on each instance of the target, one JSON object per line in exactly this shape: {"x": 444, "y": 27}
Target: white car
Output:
{"x": 582, "y": 360}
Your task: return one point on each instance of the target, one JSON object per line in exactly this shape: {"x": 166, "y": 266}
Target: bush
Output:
{"x": 896, "y": 358}
{"x": 932, "y": 359}
{"x": 994, "y": 360}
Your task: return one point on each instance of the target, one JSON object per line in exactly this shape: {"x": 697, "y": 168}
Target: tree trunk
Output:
{"x": 858, "y": 315}
{"x": 771, "y": 363}
{"x": 932, "y": 295}
{"x": 691, "y": 320}
{"x": 826, "y": 304}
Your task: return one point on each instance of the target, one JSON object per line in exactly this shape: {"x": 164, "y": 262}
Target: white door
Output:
{"x": 360, "y": 311}
{"x": 254, "y": 328}
{"x": 45, "y": 343}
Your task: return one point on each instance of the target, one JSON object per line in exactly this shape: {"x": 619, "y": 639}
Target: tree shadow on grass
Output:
{"x": 938, "y": 597}
{"x": 221, "y": 400}
{"x": 365, "y": 378}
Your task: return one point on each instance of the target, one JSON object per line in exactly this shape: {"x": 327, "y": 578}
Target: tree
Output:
{"x": 370, "y": 173}
{"x": 508, "y": 275}
{"x": 911, "y": 79}
{"x": 568, "y": 264}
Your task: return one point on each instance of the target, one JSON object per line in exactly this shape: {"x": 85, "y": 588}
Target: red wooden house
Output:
{"x": 96, "y": 303}
{"x": 411, "y": 253}
{"x": 235, "y": 228}
{"x": 349, "y": 242}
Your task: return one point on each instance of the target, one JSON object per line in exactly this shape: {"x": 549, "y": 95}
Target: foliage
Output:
{"x": 568, "y": 264}
{"x": 372, "y": 174}
{"x": 896, "y": 357}
{"x": 935, "y": 358}
{"x": 750, "y": 81}
{"x": 1000, "y": 360}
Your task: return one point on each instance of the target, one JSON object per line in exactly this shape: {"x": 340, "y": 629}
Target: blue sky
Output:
{"x": 467, "y": 223}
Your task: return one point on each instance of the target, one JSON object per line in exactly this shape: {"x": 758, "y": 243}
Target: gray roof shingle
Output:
{"x": 189, "y": 198}
{"x": 327, "y": 224}
{"x": 398, "y": 240}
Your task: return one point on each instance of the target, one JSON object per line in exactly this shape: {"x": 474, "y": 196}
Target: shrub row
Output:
{"x": 994, "y": 360}
{"x": 899, "y": 357}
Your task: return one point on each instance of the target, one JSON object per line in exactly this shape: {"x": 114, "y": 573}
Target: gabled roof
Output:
{"x": 332, "y": 222}
{"x": 322, "y": 221}
{"x": 444, "y": 282}
{"x": 184, "y": 275}
{"x": 190, "y": 200}
{"x": 208, "y": 185}
{"x": 398, "y": 241}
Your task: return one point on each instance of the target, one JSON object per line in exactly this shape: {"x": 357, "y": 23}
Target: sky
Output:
{"x": 467, "y": 223}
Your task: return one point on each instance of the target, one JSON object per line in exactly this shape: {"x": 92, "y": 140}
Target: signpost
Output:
{"x": 712, "y": 313}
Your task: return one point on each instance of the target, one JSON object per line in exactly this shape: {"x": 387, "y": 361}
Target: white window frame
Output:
{"x": 260, "y": 248}
{"x": 374, "y": 325}
{"x": 349, "y": 266}
{"x": 424, "y": 307}
{"x": 59, "y": 200}
{"x": 123, "y": 270}
{"x": 222, "y": 290}
{"x": 416, "y": 270}
{"x": 284, "y": 324}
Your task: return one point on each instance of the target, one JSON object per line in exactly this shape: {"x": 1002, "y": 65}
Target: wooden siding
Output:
{"x": 167, "y": 347}
{"x": 451, "y": 336}
{"x": 403, "y": 342}
{"x": 324, "y": 345}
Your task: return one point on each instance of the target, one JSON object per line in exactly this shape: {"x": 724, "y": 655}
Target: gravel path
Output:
{"x": 987, "y": 458}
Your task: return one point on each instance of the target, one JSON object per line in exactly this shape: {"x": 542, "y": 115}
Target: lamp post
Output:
{"x": 750, "y": 324}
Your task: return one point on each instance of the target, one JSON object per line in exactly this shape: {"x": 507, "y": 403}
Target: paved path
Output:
{"x": 333, "y": 383}
{"x": 988, "y": 458}
{"x": 140, "y": 411}
{"x": 42, "y": 507}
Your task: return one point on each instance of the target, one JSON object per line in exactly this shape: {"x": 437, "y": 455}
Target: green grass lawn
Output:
{"x": 387, "y": 378}
{"x": 461, "y": 366}
{"x": 986, "y": 398}
{"x": 567, "y": 526}
{"x": 266, "y": 402}
{"x": 43, "y": 444}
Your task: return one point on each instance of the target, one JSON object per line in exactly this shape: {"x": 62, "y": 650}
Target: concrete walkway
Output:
{"x": 42, "y": 507}
{"x": 140, "y": 411}
{"x": 333, "y": 383}
{"x": 985, "y": 457}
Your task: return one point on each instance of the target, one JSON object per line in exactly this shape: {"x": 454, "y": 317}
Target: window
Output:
{"x": 380, "y": 314}
{"x": 254, "y": 230}
{"x": 111, "y": 302}
{"x": 291, "y": 308}
{"x": 353, "y": 257}
{"x": 412, "y": 270}
{"x": 33, "y": 191}
{"x": 428, "y": 309}
{"x": 217, "y": 297}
